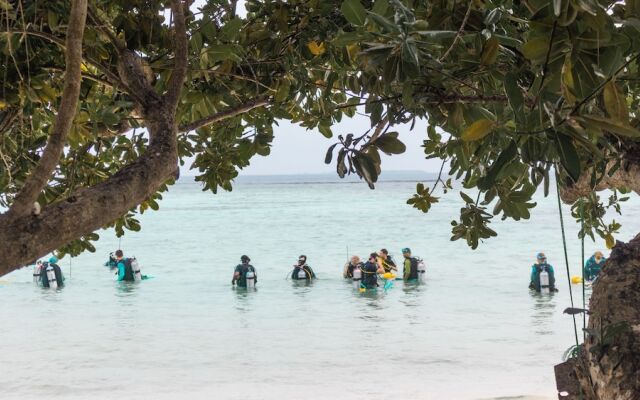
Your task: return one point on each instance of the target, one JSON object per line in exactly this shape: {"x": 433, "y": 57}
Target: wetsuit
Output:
{"x": 242, "y": 269}
{"x": 307, "y": 269}
{"x": 410, "y": 269}
{"x": 535, "y": 277}
{"x": 348, "y": 273}
{"x": 592, "y": 268}
{"x": 125, "y": 271}
{"x": 370, "y": 275}
{"x": 44, "y": 279}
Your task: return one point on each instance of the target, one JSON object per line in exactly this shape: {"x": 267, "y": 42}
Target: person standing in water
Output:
{"x": 370, "y": 271}
{"x": 593, "y": 266}
{"x": 385, "y": 261}
{"x": 302, "y": 271}
{"x": 243, "y": 271}
{"x": 51, "y": 265}
{"x": 537, "y": 268}
{"x": 410, "y": 272}
{"x": 354, "y": 263}
{"x": 128, "y": 270}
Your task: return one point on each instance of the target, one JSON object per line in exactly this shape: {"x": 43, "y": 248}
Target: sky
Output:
{"x": 296, "y": 150}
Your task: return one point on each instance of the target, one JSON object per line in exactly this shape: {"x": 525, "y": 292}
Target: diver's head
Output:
{"x": 598, "y": 256}
{"x": 53, "y": 260}
{"x": 355, "y": 260}
{"x": 245, "y": 259}
{"x": 406, "y": 252}
{"x": 119, "y": 254}
{"x": 384, "y": 253}
{"x": 541, "y": 258}
{"x": 302, "y": 260}
{"x": 373, "y": 257}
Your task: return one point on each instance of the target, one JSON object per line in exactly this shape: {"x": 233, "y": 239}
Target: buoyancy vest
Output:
{"x": 243, "y": 269}
{"x": 307, "y": 270}
{"x": 370, "y": 275}
{"x": 538, "y": 269}
{"x": 128, "y": 270}
{"x": 351, "y": 267}
{"x": 413, "y": 274}
{"x": 387, "y": 264}
{"x": 45, "y": 279}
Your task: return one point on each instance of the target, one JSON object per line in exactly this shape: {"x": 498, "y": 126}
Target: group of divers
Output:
{"x": 379, "y": 268}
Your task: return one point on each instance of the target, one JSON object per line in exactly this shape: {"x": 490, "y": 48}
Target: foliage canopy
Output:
{"x": 513, "y": 91}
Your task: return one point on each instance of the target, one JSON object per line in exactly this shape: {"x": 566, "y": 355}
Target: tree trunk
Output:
{"x": 88, "y": 209}
{"x": 608, "y": 367}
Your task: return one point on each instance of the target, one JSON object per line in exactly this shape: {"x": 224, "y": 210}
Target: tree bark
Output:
{"x": 25, "y": 237}
{"x": 608, "y": 367}
{"x": 39, "y": 177}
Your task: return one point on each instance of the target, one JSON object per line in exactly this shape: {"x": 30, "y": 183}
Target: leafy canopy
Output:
{"x": 511, "y": 89}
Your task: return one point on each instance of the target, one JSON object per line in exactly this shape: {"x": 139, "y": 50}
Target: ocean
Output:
{"x": 472, "y": 331}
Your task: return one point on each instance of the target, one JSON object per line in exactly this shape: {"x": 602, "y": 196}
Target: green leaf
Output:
{"x": 231, "y": 29}
{"x": 466, "y": 198}
{"x": 503, "y": 159}
{"x": 221, "y": 52}
{"x": 516, "y": 100}
{"x": 536, "y": 49}
{"x": 380, "y": 7}
{"x": 390, "y": 144}
{"x": 608, "y": 125}
{"x": 569, "y": 156}
{"x": 329, "y": 155}
{"x": 383, "y": 22}
{"x": 477, "y": 130}
{"x": 354, "y": 12}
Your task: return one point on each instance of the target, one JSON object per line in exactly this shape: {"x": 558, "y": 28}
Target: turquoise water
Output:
{"x": 473, "y": 331}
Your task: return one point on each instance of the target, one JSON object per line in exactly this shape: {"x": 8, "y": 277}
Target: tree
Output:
{"x": 522, "y": 89}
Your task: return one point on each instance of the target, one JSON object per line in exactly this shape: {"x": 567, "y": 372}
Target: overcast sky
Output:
{"x": 298, "y": 151}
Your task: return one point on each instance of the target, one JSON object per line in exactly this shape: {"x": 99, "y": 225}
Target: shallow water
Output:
{"x": 472, "y": 331}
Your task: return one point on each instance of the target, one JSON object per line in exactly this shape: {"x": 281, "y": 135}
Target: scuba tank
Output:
{"x": 37, "y": 270}
{"x": 422, "y": 271}
{"x": 135, "y": 269}
{"x": 51, "y": 276}
{"x": 357, "y": 278}
{"x": 544, "y": 281}
{"x": 302, "y": 274}
{"x": 250, "y": 277}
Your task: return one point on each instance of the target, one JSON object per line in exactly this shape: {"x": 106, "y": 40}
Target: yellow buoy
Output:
{"x": 388, "y": 275}
{"x": 576, "y": 279}
{"x": 362, "y": 290}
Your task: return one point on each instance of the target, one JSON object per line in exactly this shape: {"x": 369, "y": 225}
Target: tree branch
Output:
{"x": 23, "y": 202}
{"x": 181, "y": 48}
{"x": 115, "y": 80}
{"x": 459, "y": 33}
{"x": 222, "y": 115}
{"x": 627, "y": 176}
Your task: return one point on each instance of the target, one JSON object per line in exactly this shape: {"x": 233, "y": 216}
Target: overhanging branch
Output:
{"x": 222, "y": 115}
{"x": 181, "y": 48}
{"x": 34, "y": 184}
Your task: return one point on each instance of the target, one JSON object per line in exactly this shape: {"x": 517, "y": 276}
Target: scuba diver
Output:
{"x": 128, "y": 268}
{"x": 370, "y": 271}
{"x": 410, "y": 266}
{"x": 48, "y": 274}
{"x": 593, "y": 266}
{"x": 245, "y": 274}
{"x": 542, "y": 275}
{"x": 384, "y": 260}
{"x": 354, "y": 263}
{"x": 302, "y": 271}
